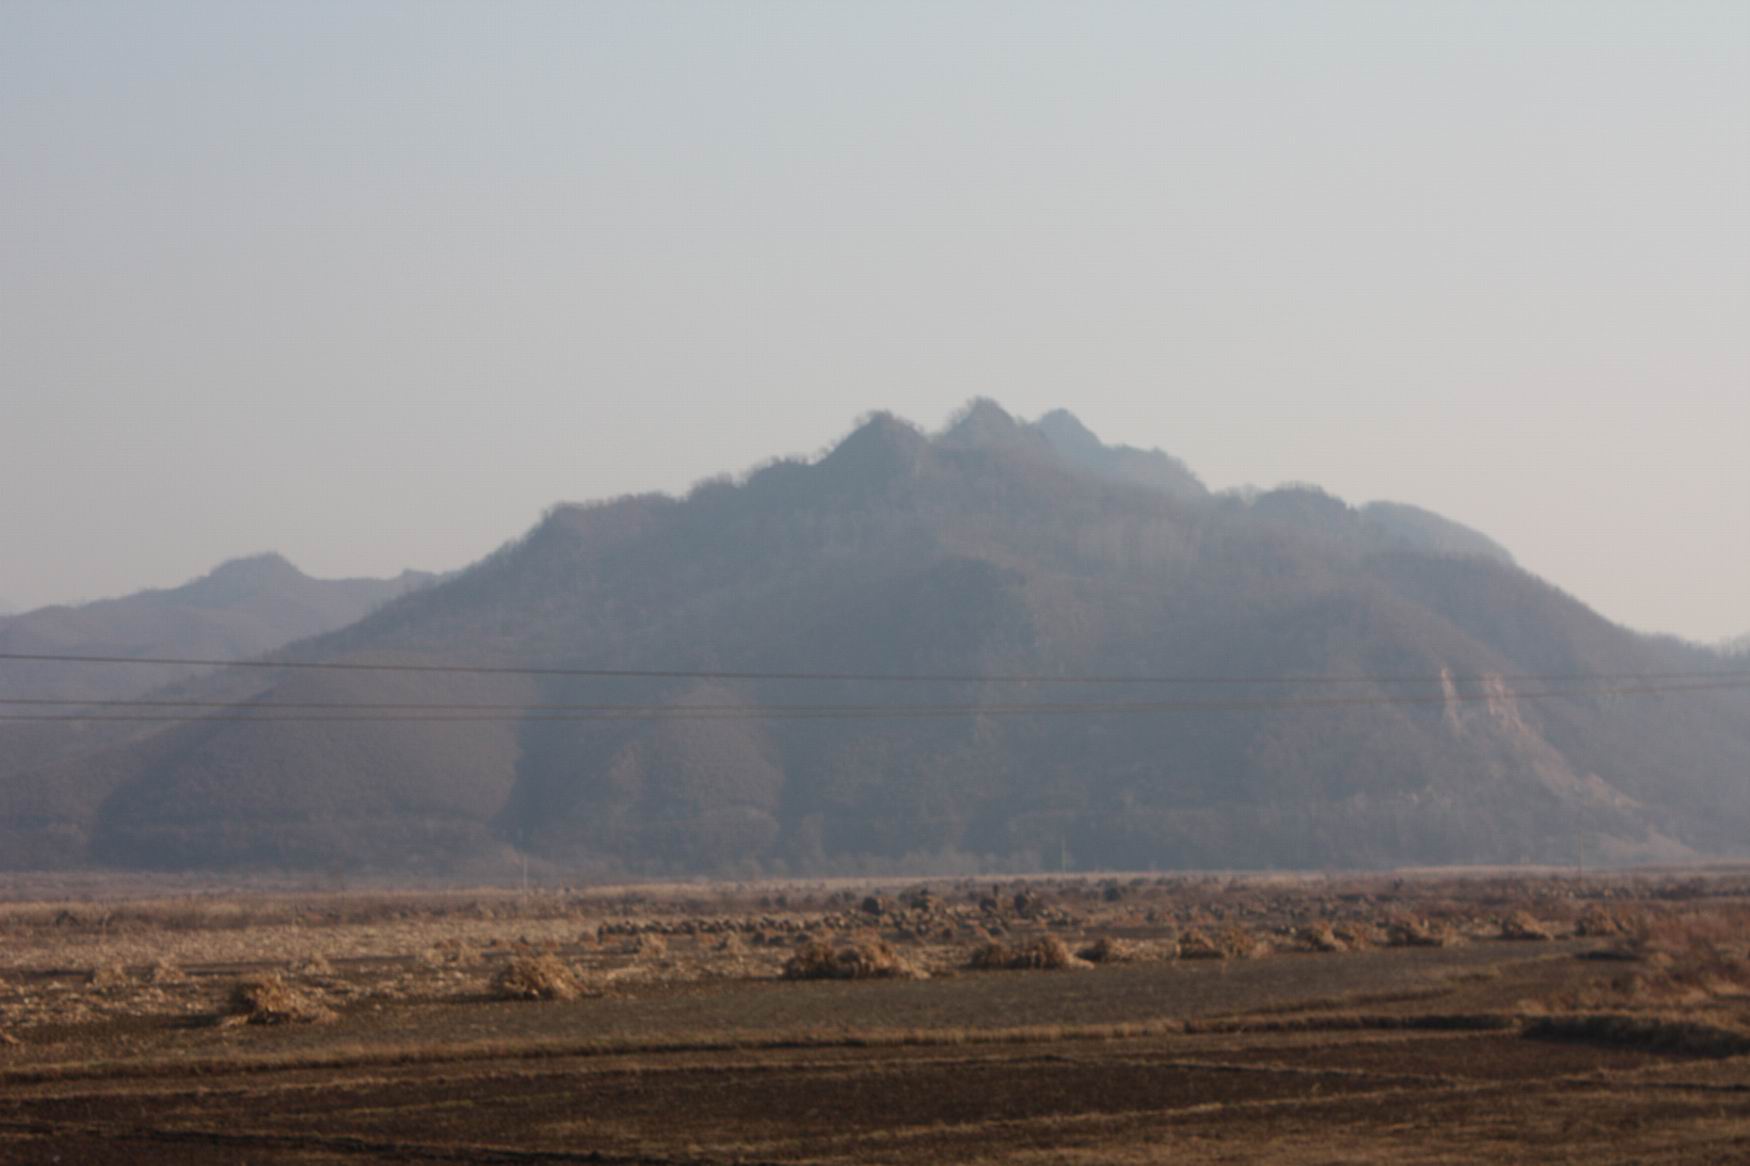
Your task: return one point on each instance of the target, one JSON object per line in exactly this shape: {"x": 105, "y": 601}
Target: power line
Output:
{"x": 739, "y": 706}
{"x": 597, "y": 706}
{"x": 872, "y": 677}
{"x": 473, "y": 714}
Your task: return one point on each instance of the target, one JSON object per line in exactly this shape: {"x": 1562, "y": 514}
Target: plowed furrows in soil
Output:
{"x": 704, "y": 1106}
{"x": 1283, "y": 1069}
{"x": 869, "y": 1140}
{"x": 348, "y": 1145}
{"x": 156, "y": 1090}
{"x": 862, "y": 1145}
{"x": 872, "y": 1039}
{"x": 866, "y": 1094}
{"x": 338, "y": 1100}
{"x": 302, "y": 1087}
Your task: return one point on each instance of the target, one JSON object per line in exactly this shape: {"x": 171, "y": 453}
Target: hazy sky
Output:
{"x": 374, "y": 283}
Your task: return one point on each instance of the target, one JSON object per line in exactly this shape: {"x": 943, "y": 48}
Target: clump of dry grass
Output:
{"x": 268, "y": 999}
{"x": 165, "y": 971}
{"x": 645, "y": 945}
{"x": 1408, "y": 931}
{"x": 1246, "y": 945}
{"x": 873, "y": 959}
{"x": 1358, "y": 936}
{"x": 446, "y": 954}
{"x": 1046, "y": 953}
{"x": 1520, "y": 925}
{"x": 989, "y": 957}
{"x": 536, "y": 977}
{"x": 1230, "y": 943}
{"x": 1690, "y": 958}
{"x": 107, "y": 976}
{"x": 1198, "y": 945}
{"x": 1597, "y": 922}
{"x": 810, "y": 960}
{"x": 868, "y": 959}
{"x": 312, "y": 965}
{"x": 1106, "y": 950}
{"x": 1322, "y": 937}
{"x": 454, "y": 952}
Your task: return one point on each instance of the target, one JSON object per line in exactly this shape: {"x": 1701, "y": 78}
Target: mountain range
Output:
{"x": 241, "y": 608}
{"x": 1332, "y": 687}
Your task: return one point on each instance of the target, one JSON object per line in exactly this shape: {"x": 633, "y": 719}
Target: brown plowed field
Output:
{"x": 1484, "y": 1050}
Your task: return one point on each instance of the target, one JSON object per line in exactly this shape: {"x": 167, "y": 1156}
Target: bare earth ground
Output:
{"x": 1430, "y": 1019}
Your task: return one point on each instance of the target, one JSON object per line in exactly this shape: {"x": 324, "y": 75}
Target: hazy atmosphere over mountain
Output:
{"x": 372, "y": 284}
{"x": 1338, "y": 687}
{"x": 1367, "y": 373}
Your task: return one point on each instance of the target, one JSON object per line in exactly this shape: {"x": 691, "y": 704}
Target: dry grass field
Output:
{"x": 1420, "y": 1019}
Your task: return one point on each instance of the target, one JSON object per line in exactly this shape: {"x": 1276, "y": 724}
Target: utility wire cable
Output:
{"x": 873, "y": 677}
{"x": 529, "y": 707}
{"x": 581, "y": 713}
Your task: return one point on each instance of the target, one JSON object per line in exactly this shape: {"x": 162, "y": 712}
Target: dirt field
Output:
{"x": 1421, "y": 1020}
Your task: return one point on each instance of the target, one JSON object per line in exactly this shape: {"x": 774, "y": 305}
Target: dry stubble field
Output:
{"x": 1292, "y": 1020}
